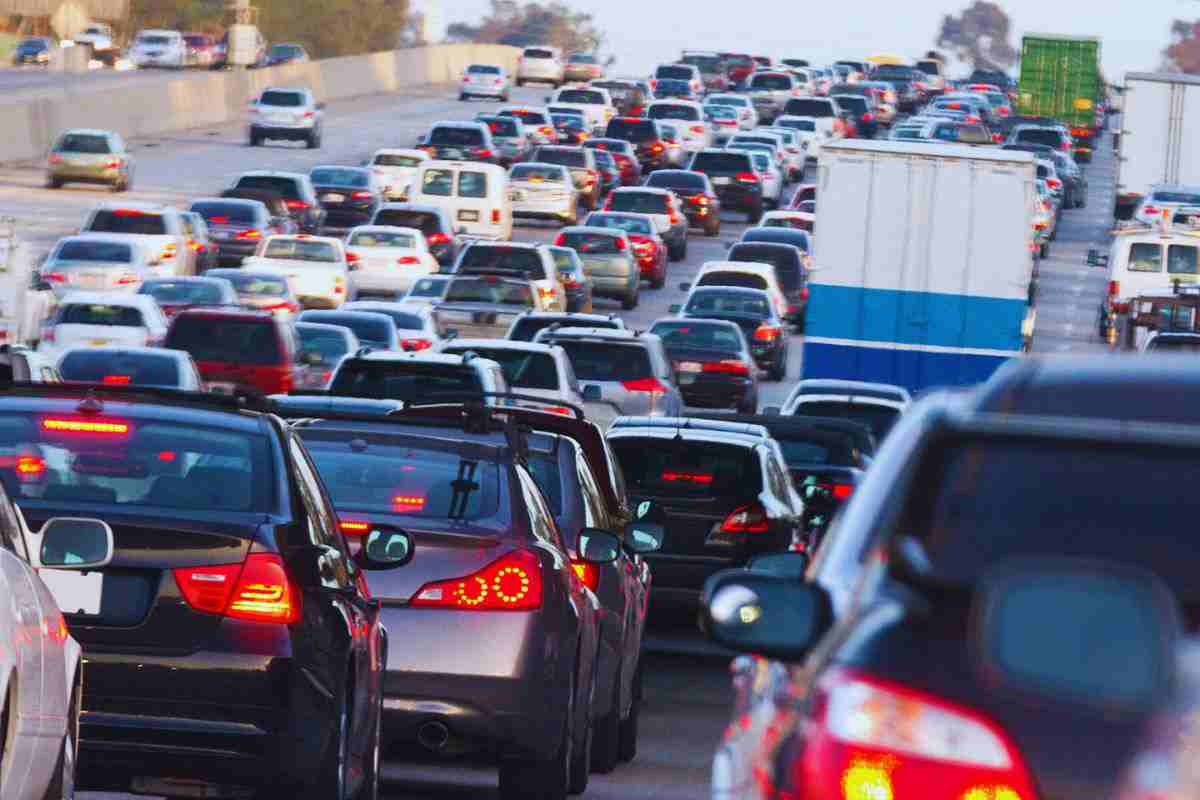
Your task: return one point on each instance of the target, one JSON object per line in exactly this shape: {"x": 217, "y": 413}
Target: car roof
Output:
{"x": 144, "y": 208}
{"x": 737, "y": 432}
{"x": 501, "y": 344}
{"x": 216, "y": 280}
{"x": 639, "y": 189}
{"x": 136, "y": 403}
{"x": 571, "y": 315}
{"x": 235, "y": 201}
{"x": 128, "y": 300}
{"x": 86, "y": 132}
{"x": 115, "y": 238}
{"x": 755, "y": 267}
{"x": 384, "y": 229}
{"x": 423, "y": 357}
{"x": 611, "y": 334}
{"x": 401, "y": 151}
{"x": 855, "y": 388}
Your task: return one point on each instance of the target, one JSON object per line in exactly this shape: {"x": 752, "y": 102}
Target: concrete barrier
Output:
{"x": 179, "y": 102}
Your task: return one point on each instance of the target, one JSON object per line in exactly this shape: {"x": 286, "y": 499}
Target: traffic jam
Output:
{"x": 407, "y": 458}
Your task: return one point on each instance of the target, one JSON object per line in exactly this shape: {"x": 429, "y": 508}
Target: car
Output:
{"x": 543, "y": 191}
{"x": 198, "y": 241}
{"x": 609, "y": 261}
{"x": 237, "y": 351}
{"x": 85, "y": 155}
{"x": 320, "y": 348}
{"x": 766, "y": 167}
{"x": 1172, "y": 342}
{"x": 152, "y": 367}
{"x": 21, "y": 364}
{"x": 697, "y": 195}
{"x": 159, "y": 230}
{"x": 712, "y": 361}
{"x": 537, "y": 123}
{"x": 528, "y": 325}
{"x": 531, "y": 260}
{"x": 576, "y": 282}
{"x": 769, "y": 91}
{"x": 236, "y": 487}
{"x": 794, "y": 152}
{"x": 726, "y": 481}
{"x": 315, "y": 267}
{"x": 1167, "y": 200}
{"x": 672, "y": 89}
{"x": 646, "y": 137}
{"x": 694, "y": 130}
{"x": 712, "y": 68}
{"x": 460, "y": 141}
{"x": 386, "y": 260}
{"x": 830, "y": 118}
{"x": 285, "y": 53}
{"x": 99, "y": 319}
{"x": 291, "y": 114}
{"x": 373, "y": 330}
{"x": 878, "y": 406}
{"x": 396, "y": 167}
{"x": 786, "y": 220}
{"x": 512, "y": 141}
{"x": 200, "y": 49}
{"x": 753, "y": 311}
{"x": 738, "y": 67}
{"x": 432, "y": 221}
{"x": 723, "y": 120}
{"x": 531, "y": 370}
{"x": 761, "y": 275}
{"x": 97, "y": 262}
{"x": 97, "y": 35}
{"x": 582, "y": 67}
{"x": 416, "y": 326}
{"x": 158, "y": 48}
{"x": 484, "y": 80}
{"x": 791, "y": 267}
{"x": 628, "y": 96}
{"x": 540, "y": 65}
{"x": 748, "y": 115}
{"x": 1050, "y": 135}
{"x": 662, "y": 206}
{"x": 482, "y": 306}
{"x": 32, "y": 50}
{"x": 649, "y": 248}
{"x": 595, "y": 103}
{"x": 297, "y": 192}
{"x": 572, "y": 129}
{"x": 262, "y": 291}
{"x": 349, "y": 195}
{"x": 279, "y": 216}
{"x": 624, "y": 153}
{"x": 1065, "y": 167}
{"x": 581, "y": 163}
{"x": 426, "y": 292}
{"x": 733, "y": 176}
{"x": 625, "y": 368}
{"x": 474, "y": 193}
{"x": 811, "y": 131}
{"x": 689, "y": 73}
{"x": 861, "y": 115}
{"x": 176, "y": 294}
{"x": 610, "y": 173}
{"x": 417, "y": 377}
{"x": 672, "y": 139}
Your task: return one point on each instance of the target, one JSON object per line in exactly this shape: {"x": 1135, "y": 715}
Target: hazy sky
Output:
{"x": 641, "y": 33}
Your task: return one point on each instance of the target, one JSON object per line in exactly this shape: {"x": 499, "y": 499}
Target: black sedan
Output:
{"x": 349, "y": 195}
{"x": 753, "y": 312}
{"x": 713, "y": 365}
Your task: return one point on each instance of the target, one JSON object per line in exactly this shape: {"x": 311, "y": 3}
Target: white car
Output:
{"x": 813, "y": 133}
{"x": 747, "y": 113}
{"x": 41, "y": 665}
{"x": 396, "y": 168}
{"x": 1169, "y": 198}
{"x": 793, "y": 151}
{"x": 286, "y": 113}
{"x": 385, "y": 260}
{"x": 543, "y": 191}
{"x": 315, "y": 267}
{"x": 98, "y": 262}
{"x": 596, "y": 104}
{"x": 160, "y": 230}
{"x": 158, "y": 48}
{"x": 98, "y": 35}
{"x": 693, "y": 127}
{"x": 131, "y": 366}
{"x": 877, "y": 405}
{"x": 535, "y": 369}
{"x": 672, "y": 141}
{"x": 484, "y": 80}
{"x": 103, "y": 319}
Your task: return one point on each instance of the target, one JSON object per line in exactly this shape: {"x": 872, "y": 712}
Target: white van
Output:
{"x": 158, "y": 48}
{"x": 1146, "y": 259}
{"x": 474, "y": 195}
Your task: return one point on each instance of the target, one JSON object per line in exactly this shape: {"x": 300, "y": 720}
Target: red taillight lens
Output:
{"x": 264, "y": 593}
{"x": 413, "y": 345}
{"x": 483, "y": 152}
{"x": 208, "y": 588}
{"x": 354, "y": 528}
{"x": 698, "y": 200}
{"x": 296, "y": 204}
{"x": 697, "y": 128}
{"x": 403, "y": 260}
{"x": 437, "y": 238}
{"x": 587, "y": 573}
{"x": 746, "y": 177}
{"x": 656, "y": 148}
{"x": 766, "y": 333}
{"x": 620, "y": 245}
{"x": 1149, "y": 209}
{"x": 29, "y": 468}
{"x": 546, "y": 130}
{"x": 701, "y": 478}
{"x": 1114, "y": 288}
{"x": 727, "y": 366}
{"x": 495, "y": 216}
{"x": 560, "y": 240}
{"x": 839, "y": 491}
{"x": 652, "y": 385}
{"x": 115, "y": 380}
{"x": 511, "y": 583}
{"x": 868, "y": 117}
{"x": 112, "y": 163}
{"x": 55, "y": 158}
{"x": 1053, "y": 183}
{"x": 54, "y": 277}
{"x": 361, "y": 196}
{"x": 249, "y": 235}
{"x": 750, "y": 518}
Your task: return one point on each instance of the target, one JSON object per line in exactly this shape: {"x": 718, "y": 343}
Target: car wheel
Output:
{"x": 254, "y": 139}
{"x": 630, "y": 301}
{"x": 628, "y": 734}
{"x": 62, "y": 784}
{"x": 1044, "y": 250}
{"x": 778, "y": 370}
{"x": 313, "y": 140}
{"x": 544, "y": 780}
{"x": 754, "y": 215}
{"x": 520, "y": 82}
{"x": 713, "y": 228}
{"x": 606, "y": 733}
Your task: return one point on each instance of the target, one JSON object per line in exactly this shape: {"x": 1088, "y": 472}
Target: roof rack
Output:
{"x": 692, "y": 423}
{"x": 497, "y": 271}
{"x": 248, "y": 400}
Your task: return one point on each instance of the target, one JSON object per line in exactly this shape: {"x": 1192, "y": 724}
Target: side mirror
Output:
{"x": 644, "y": 537}
{"x": 592, "y": 393}
{"x": 684, "y": 287}
{"x": 598, "y": 546}
{"x": 386, "y": 548}
{"x": 764, "y": 614}
{"x": 75, "y": 543}
{"x": 784, "y": 565}
{"x": 674, "y": 308}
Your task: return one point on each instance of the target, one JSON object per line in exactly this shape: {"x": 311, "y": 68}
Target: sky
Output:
{"x": 643, "y": 34}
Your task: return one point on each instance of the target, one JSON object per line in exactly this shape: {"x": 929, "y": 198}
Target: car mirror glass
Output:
{"x": 386, "y": 548}
{"x": 598, "y": 546}
{"x": 765, "y": 614}
{"x": 592, "y": 393}
{"x": 644, "y": 537}
{"x": 75, "y": 543}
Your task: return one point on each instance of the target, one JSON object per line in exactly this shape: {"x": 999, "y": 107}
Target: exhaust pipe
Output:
{"x": 433, "y": 736}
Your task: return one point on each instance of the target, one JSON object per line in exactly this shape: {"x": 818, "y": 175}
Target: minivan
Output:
{"x": 474, "y": 195}
{"x": 237, "y": 351}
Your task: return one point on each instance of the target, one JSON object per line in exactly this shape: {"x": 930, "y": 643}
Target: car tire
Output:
{"x": 254, "y": 140}
{"x": 754, "y": 215}
{"x": 313, "y": 140}
{"x": 547, "y": 779}
{"x": 62, "y": 784}
{"x": 630, "y": 301}
{"x": 606, "y": 734}
{"x": 778, "y": 370}
{"x": 520, "y": 82}
{"x": 628, "y": 733}
{"x": 713, "y": 228}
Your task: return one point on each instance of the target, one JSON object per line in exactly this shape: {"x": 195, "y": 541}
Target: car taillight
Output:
{"x": 560, "y": 240}
{"x": 495, "y": 216}
{"x": 55, "y": 158}
{"x": 697, "y": 128}
{"x": 511, "y": 583}
{"x": 361, "y": 196}
{"x": 1149, "y": 209}
{"x": 250, "y": 235}
{"x": 257, "y": 590}
{"x": 746, "y": 177}
{"x": 482, "y": 152}
{"x": 766, "y": 333}
{"x": 728, "y": 366}
{"x": 437, "y": 238}
{"x": 591, "y": 177}
{"x": 1053, "y": 183}
{"x": 354, "y": 527}
{"x": 112, "y": 163}
{"x": 643, "y": 247}
{"x": 29, "y": 468}
{"x": 698, "y": 200}
{"x": 1065, "y": 145}
{"x": 868, "y": 117}
{"x": 873, "y": 738}
{"x": 587, "y": 573}
{"x": 546, "y": 130}
{"x": 839, "y": 491}
{"x": 751, "y": 518}
{"x": 128, "y": 279}
{"x": 620, "y": 245}
{"x": 402, "y": 260}
{"x": 413, "y": 345}
{"x": 652, "y": 385}
{"x": 656, "y": 148}
{"x": 1114, "y": 288}
{"x": 296, "y": 205}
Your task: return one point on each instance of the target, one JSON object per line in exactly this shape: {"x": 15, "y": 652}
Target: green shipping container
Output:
{"x": 1060, "y": 78}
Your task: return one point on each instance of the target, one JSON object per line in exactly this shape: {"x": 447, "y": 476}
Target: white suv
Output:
{"x": 540, "y": 65}
{"x": 286, "y": 114}
{"x": 156, "y": 48}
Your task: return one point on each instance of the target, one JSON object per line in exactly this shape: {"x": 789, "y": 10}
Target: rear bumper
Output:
{"x": 717, "y": 393}
{"x": 85, "y": 174}
{"x": 269, "y": 132}
{"x": 613, "y": 286}
{"x": 347, "y": 218}
{"x": 733, "y": 197}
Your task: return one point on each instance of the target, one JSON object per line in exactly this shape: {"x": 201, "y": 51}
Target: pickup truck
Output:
{"x": 484, "y": 306}
{"x": 315, "y": 267}
{"x": 596, "y": 104}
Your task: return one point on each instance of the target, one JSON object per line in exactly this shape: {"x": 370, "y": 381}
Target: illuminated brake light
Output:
{"x": 727, "y": 367}
{"x": 413, "y": 345}
{"x": 766, "y": 333}
{"x": 115, "y": 380}
{"x": 746, "y": 177}
{"x": 511, "y": 583}
{"x": 296, "y": 205}
{"x": 587, "y": 573}
{"x": 351, "y": 528}
{"x": 403, "y": 260}
{"x": 98, "y": 426}
{"x": 361, "y": 196}
{"x": 700, "y": 478}
{"x": 407, "y": 503}
{"x": 652, "y": 385}
{"x": 751, "y": 518}
{"x": 29, "y": 468}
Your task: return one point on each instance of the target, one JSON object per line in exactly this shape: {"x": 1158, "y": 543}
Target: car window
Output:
{"x": 481, "y": 257}
{"x": 282, "y": 99}
{"x": 568, "y": 157}
{"x": 522, "y": 370}
{"x": 878, "y": 418}
{"x": 407, "y": 381}
{"x": 302, "y": 250}
{"x": 721, "y": 162}
{"x": 257, "y": 284}
{"x": 639, "y": 202}
{"x": 628, "y": 224}
{"x": 288, "y": 188}
{"x": 541, "y": 521}
{"x": 90, "y": 144}
{"x": 544, "y": 469}
{"x": 122, "y": 220}
{"x": 489, "y": 289}
{"x": 330, "y": 345}
{"x": 583, "y": 96}
{"x": 100, "y": 314}
{"x": 145, "y": 369}
{"x": 801, "y": 107}
{"x": 84, "y": 250}
{"x": 426, "y": 222}
{"x": 692, "y": 469}
{"x": 396, "y": 160}
{"x": 1145, "y": 257}
{"x": 381, "y": 239}
{"x": 679, "y": 73}
{"x": 666, "y": 111}
{"x": 681, "y": 181}
{"x": 483, "y": 69}
{"x": 537, "y": 53}
{"x": 436, "y": 182}
{"x": 771, "y": 82}
{"x": 225, "y": 340}
{"x": 606, "y": 361}
{"x": 472, "y": 184}
{"x": 698, "y": 335}
{"x": 165, "y": 291}
{"x": 744, "y": 280}
{"x": 592, "y": 244}
{"x": 737, "y": 303}
{"x": 502, "y": 126}
{"x": 336, "y": 176}
{"x": 1047, "y": 136}
{"x": 368, "y": 329}
{"x": 428, "y": 287}
{"x": 226, "y": 213}
{"x": 456, "y": 137}
{"x": 634, "y": 130}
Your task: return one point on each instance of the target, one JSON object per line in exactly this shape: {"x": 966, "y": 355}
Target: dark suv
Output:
{"x": 646, "y": 138}
{"x": 234, "y": 648}
{"x": 236, "y": 226}
{"x": 733, "y": 176}
{"x": 297, "y": 191}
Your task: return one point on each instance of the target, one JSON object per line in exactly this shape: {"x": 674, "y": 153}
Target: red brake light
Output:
{"x": 353, "y": 528}
{"x": 55, "y": 158}
{"x": 483, "y": 152}
{"x": 750, "y": 518}
{"x": 746, "y": 177}
{"x": 697, "y": 129}
{"x": 652, "y": 385}
{"x": 868, "y": 117}
{"x": 511, "y": 583}
{"x": 296, "y": 204}
{"x": 115, "y": 380}
{"x": 249, "y": 235}
{"x": 1149, "y": 209}
{"x": 407, "y": 503}
{"x": 412, "y": 345}
{"x": 587, "y": 573}
{"x": 29, "y": 468}
{"x": 102, "y": 427}
{"x": 729, "y": 366}
{"x": 437, "y": 238}
{"x": 766, "y": 333}
{"x": 362, "y": 196}
{"x": 702, "y": 478}
{"x": 1114, "y": 288}
{"x": 258, "y": 590}
{"x": 560, "y": 240}
{"x": 402, "y": 260}
{"x": 621, "y": 245}
{"x": 1053, "y": 183}
{"x": 55, "y": 277}
{"x": 495, "y": 216}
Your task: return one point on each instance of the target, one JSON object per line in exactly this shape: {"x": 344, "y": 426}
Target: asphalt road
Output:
{"x": 687, "y": 698}
{"x": 40, "y": 80}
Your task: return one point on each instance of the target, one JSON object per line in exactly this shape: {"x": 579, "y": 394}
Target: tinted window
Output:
{"x": 83, "y": 143}
{"x": 77, "y": 250}
{"x": 853, "y": 104}
{"x": 698, "y": 335}
{"x": 332, "y": 345}
{"x": 97, "y": 366}
{"x": 406, "y": 381}
{"x": 100, "y": 314}
{"x": 285, "y": 99}
{"x": 183, "y": 291}
{"x": 745, "y": 280}
{"x": 381, "y": 239}
{"x": 367, "y": 328}
{"x": 878, "y": 418}
{"x": 568, "y": 157}
{"x": 225, "y": 213}
{"x": 472, "y": 184}
{"x": 393, "y": 160}
{"x": 534, "y": 118}
{"x": 483, "y": 69}
{"x": 425, "y": 221}
{"x": 428, "y": 287}
{"x": 1181, "y": 259}
{"x": 301, "y": 250}
{"x": 436, "y": 182}
{"x": 289, "y": 188}
{"x": 639, "y": 202}
{"x": 580, "y": 96}
{"x": 544, "y": 469}
{"x": 661, "y": 111}
{"x": 713, "y": 162}
{"x": 257, "y": 284}
{"x": 736, "y": 303}
{"x": 1046, "y": 136}
{"x": 521, "y": 369}
{"x": 631, "y": 130}
{"x": 537, "y": 52}
{"x": 527, "y": 328}
{"x": 593, "y": 243}
{"x": 538, "y": 174}
{"x": 487, "y": 289}
{"x": 502, "y": 126}
{"x": 674, "y": 72}
{"x": 699, "y": 469}
{"x": 123, "y": 221}
{"x": 1145, "y": 257}
{"x": 218, "y": 339}
{"x": 802, "y": 107}
{"x": 335, "y": 176}
{"x": 166, "y": 464}
{"x": 606, "y": 361}
{"x": 682, "y": 182}
{"x": 627, "y": 224}
{"x": 785, "y": 260}
{"x": 482, "y": 257}
{"x": 456, "y": 137}
{"x": 771, "y": 82}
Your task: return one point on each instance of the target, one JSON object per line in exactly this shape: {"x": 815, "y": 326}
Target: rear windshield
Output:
{"x": 456, "y": 137}
{"x": 100, "y": 314}
{"x": 139, "y": 463}
{"x": 395, "y": 160}
{"x": 636, "y": 225}
{"x": 426, "y": 222}
{"x": 745, "y": 280}
{"x": 484, "y": 257}
{"x": 285, "y": 99}
{"x": 83, "y": 143}
{"x": 227, "y": 340}
{"x": 183, "y": 292}
{"x": 592, "y": 243}
{"x": 639, "y": 203}
{"x": 622, "y": 146}
{"x": 301, "y": 250}
{"x": 337, "y": 176}
{"x": 640, "y": 130}
{"x": 740, "y": 304}
{"x": 802, "y": 107}
{"x": 483, "y": 69}
{"x": 97, "y": 366}
{"x": 709, "y": 162}
{"x": 406, "y": 380}
{"x": 1046, "y": 136}
{"x": 771, "y": 82}
{"x": 929, "y": 67}
{"x": 695, "y": 469}
{"x": 489, "y": 289}
{"x": 785, "y": 261}
{"x": 584, "y": 96}
{"x": 331, "y": 345}
{"x": 381, "y": 239}
{"x": 391, "y": 476}
{"x": 673, "y": 88}
{"x": 522, "y": 370}
{"x": 853, "y": 103}
{"x": 568, "y": 122}
{"x": 666, "y": 111}
{"x": 225, "y": 213}
{"x": 568, "y": 157}
{"x": 95, "y": 251}
{"x": 699, "y": 336}
{"x": 288, "y": 188}
{"x": 256, "y": 284}
{"x": 1183, "y": 198}
{"x": 527, "y": 329}
{"x": 681, "y": 182}
{"x": 674, "y": 72}
{"x": 537, "y": 52}
{"x": 878, "y": 418}
{"x": 122, "y": 221}
{"x": 368, "y": 329}
{"x": 502, "y": 126}
{"x": 539, "y": 174}
{"x": 607, "y": 361}
{"x": 528, "y": 117}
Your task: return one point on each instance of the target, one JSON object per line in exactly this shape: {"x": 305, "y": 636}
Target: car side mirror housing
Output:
{"x": 674, "y": 308}
{"x": 765, "y": 614}
{"x": 598, "y": 546}
{"x": 386, "y": 548}
{"x": 592, "y": 393}
{"x": 644, "y": 537}
{"x": 785, "y": 565}
{"x": 684, "y": 287}
{"x": 77, "y": 543}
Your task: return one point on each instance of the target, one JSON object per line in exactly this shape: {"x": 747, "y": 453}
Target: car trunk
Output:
{"x": 71, "y": 334}
{"x": 96, "y": 275}
{"x": 343, "y": 198}
{"x": 476, "y": 320}
{"x": 605, "y": 266}
{"x": 688, "y": 363}
{"x": 443, "y": 556}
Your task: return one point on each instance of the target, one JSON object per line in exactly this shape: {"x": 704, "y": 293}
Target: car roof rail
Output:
{"x": 681, "y": 424}
{"x": 245, "y": 400}
{"x": 560, "y": 407}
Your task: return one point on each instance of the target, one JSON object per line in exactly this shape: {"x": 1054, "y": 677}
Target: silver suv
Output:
{"x": 540, "y": 65}
{"x": 292, "y": 114}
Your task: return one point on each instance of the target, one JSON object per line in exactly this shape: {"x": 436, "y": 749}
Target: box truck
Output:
{"x": 924, "y": 263}
{"x": 1160, "y": 113}
{"x": 1060, "y": 78}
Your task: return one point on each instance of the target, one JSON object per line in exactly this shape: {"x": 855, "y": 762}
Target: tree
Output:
{"x": 1183, "y": 54}
{"x": 552, "y": 23}
{"x": 979, "y": 36}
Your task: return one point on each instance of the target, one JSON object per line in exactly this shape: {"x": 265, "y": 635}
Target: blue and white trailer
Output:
{"x": 924, "y": 265}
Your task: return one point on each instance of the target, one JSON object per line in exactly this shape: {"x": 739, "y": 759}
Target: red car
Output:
{"x": 237, "y": 351}
{"x": 739, "y": 66}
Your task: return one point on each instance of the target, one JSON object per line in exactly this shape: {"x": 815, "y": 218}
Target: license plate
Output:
{"x": 451, "y": 152}
{"x": 690, "y": 366}
{"x": 221, "y": 388}
{"x": 75, "y": 592}
{"x": 281, "y": 119}
{"x": 98, "y": 342}
{"x": 720, "y": 181}
{"x": 333, "y": 198}
{"x": 468, "y": 215}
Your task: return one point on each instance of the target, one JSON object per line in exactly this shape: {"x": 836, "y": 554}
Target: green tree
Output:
{"x": 552, "y": 23}
{"x": 1183, "y": 54}
{"x": 979, "y": 36}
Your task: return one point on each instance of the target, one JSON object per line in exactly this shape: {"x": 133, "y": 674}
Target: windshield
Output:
{"x": 456, "y": 137}
{"x": 876, "y": 417}
{"x": 607, "y": 361}
{"x": 128, "y": 221}
{"x": 721, "y": 162}
{"x": 664, "y": 111}
{"x": 699, "y": 335}
{"x": 487, "y": 289}
{"x": 699, "y": 469}
{"x": 1183, "y": 198}
{"x": 481, "y": 257}
{"x": 639, "y": 202}
{"x": 331, "y": 345}
{"x": 567, "y": 156}
{"x": 119, "y": 369}
{"x": 537, "y": 52}
{"x": 535, "y": 173}
{"x": 301, "y": 250}
{"x": 801, "y": 107}
{"x": 337, "y": 176}
{"x": 396, "y": 160}
{"x": 282, "y": 99}
{"x": 367, "y": 327}
{"x": 225, "y": 213}
{"x": 288, "y": 188}
{"x": 679, "y": 182}
{"x": 255, "y": 283}
{"x": 94, "y": 251}
{"x": 403, "y": 380}
{"x": 729, "y": 100}
{"x": 83, "y": 143}
{"x": 226, "y": 340}
{"x": 639, "y": 130}
{"x": 741, "y": 304}
{"x": 100, "y": 314}
{"x": 195, "y": 292}
{"x": 392, "y": 476}
{"x": 522, "y": 370}
{"x": 138, "y": 463}
{"x": 593, "y": 244}
{"x": 628, "y": 224}
{"x": 382, "y": 239}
